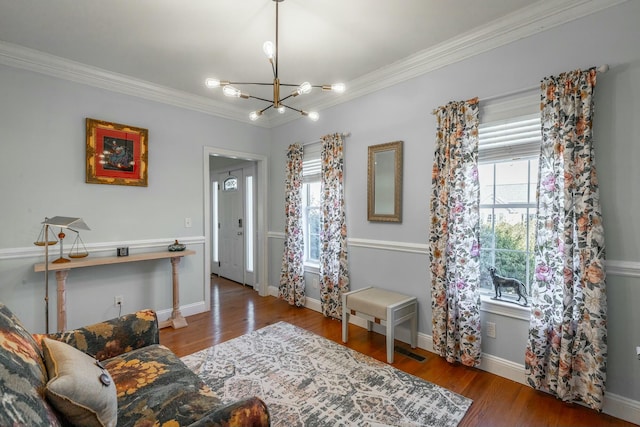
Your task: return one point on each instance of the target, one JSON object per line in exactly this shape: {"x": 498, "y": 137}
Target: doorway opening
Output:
{"x": 233, "y": 220}
{"x": 235, "y": 206}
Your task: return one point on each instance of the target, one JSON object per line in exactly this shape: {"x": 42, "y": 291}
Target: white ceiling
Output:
{"x": 174, "y": 45}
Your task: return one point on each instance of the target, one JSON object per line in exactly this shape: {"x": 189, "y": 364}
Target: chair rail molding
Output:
{"x": 32, "y": 252}
{"x": 614, "y": 267}
{"x": 623, "y": 268}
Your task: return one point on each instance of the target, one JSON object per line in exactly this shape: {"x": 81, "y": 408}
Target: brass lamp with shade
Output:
{"x": 62, "y": 222}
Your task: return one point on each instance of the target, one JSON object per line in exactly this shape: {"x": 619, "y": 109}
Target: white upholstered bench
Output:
{"x": 382, "y": 307}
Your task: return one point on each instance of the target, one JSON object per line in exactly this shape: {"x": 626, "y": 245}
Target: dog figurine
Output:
{"x": 500, "y": 282}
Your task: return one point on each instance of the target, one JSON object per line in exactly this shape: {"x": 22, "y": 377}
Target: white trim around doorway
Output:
{"x": 262, "y": 189}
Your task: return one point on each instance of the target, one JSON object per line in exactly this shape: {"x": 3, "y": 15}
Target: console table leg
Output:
{"x": 176, "y": 320}
{"x": 61, "y": 278}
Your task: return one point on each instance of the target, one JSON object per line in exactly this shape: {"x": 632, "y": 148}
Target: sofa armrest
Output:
{"x": 113, "y": 337}
{"x": 250, "y": 412}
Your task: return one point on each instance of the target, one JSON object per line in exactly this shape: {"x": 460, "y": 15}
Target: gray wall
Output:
{"x": 42, "y": 173}
{"x": 402, "y": 112}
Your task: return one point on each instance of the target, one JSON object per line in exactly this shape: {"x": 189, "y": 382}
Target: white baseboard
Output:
{"x": 503, "y": 368}
{"x": 622, "y": 407}
{"x": 186, "y": 310}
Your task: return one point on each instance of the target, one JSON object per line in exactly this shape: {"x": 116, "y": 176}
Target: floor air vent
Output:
{"x": 410, "y": 354}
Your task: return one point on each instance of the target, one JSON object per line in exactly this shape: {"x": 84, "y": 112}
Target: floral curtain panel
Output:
{"x": 454, "y": 248}
{"x": 567, "y": 349}
{"x": 334, "y": 275}
{"x": 292, "y": 284}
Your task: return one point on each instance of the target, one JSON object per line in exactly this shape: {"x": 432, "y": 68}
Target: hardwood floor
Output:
{"x": 236, "y": 310}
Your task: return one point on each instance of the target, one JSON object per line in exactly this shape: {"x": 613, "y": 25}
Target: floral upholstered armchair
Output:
{"x": 111, "y": 373}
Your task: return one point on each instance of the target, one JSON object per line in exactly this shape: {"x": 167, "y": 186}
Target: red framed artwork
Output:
{"x": 116, "y": 154}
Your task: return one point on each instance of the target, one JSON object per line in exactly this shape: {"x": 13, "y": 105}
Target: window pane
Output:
{"x": 314, "y": 194}
{"x": 249, "y": 222}
{"x": 314, "y": 247}
{"x": 486, "y": 261}
{"x": 214, "y": 221}
{"x": 311, "y": 197}
{"x": 512, "y": 264}
{"x": 511, "y": 229}
{"x": 533, "y": 186}
{"x": 485, "y": 176}
{"x": 314, "y": 232}
{"x": 230, "y": 184}
{"x": 486, "y": 228}
{"x": 531, "y": 263}
{"x": 532, "y": 213}
{"x": 512, "y": 179}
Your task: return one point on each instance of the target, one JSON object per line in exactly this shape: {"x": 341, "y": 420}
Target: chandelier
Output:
{"x": 278, "y": 102}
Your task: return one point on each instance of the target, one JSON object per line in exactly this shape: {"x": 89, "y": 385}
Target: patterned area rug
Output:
{"x": 308, "y": 380}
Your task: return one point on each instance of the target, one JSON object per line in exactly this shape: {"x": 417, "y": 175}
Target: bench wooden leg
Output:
{"x": 414, "y": 328}
{"x": 391, "y": 327}
{"x": 345, "y": 319}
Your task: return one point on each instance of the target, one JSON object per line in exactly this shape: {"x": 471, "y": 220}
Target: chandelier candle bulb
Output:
{"x": 337, "y": 87}
{"x": 269, "y": 50}
{"x": 213, "y": 83}
{"x": 303, "y": 88}
{"x": 231, "y": 91}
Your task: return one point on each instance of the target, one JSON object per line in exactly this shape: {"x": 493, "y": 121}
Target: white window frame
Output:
{"x": 506, "y": 109}
{"x": 311, "y": 168}
{"x": 308, "y": 261}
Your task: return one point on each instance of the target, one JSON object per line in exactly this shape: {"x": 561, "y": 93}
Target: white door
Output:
{"x": 231, "y": 226}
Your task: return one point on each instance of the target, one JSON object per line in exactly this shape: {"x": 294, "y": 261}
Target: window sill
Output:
{"x": 504, "y": 308}
{"x": 312, "y": 268}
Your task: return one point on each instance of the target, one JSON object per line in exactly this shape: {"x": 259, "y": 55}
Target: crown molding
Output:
{"x": 530, "y": 20}
{"x": 33, "y": 60}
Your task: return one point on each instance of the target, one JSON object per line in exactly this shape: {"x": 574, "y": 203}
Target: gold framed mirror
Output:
{"x": 384, "y": 182}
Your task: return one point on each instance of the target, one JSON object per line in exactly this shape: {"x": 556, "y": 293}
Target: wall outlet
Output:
{"x": 117, "y": 300}
{"x": 187, "y": 223}
{"x": 490, "y": 327}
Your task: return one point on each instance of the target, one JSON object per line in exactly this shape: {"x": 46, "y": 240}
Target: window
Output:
{"x": 248, "y": 216}
{"x": 508, "y": 174}
{"x": 311, "y": 168}
{"x": 230, "y": 184}
{"x": 311, "y": 222}
{"x": 214, "y": 221}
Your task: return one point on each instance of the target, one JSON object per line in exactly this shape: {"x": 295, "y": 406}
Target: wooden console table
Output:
{"x": 62, "y": 270}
